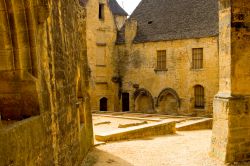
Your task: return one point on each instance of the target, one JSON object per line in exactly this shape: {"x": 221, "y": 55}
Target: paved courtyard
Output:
{"x": 189, "y": 148}
{"x": 182, "y": 149}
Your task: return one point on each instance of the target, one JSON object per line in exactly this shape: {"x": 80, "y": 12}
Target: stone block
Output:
{"x": 5, "y": 42}
{"x": 158, "y": 128}
{"x": 6, "y": 62}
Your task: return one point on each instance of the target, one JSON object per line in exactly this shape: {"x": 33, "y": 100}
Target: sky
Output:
{"x": 128, "y": 5}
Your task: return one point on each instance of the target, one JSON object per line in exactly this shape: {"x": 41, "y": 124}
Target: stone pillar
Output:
{"x": 231, "y": 127}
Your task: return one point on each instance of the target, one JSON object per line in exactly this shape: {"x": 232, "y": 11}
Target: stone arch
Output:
{"x": 143, "y": 101}
{"x": 168, "y": 101}
{"x": 103, "y": 102}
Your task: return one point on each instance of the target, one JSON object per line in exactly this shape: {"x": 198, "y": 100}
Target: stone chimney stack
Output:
{"x": 130, "y": 30}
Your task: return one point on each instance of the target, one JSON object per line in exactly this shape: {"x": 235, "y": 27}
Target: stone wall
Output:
{"x": 178, "y": 80}
{"x": 44, "y": 71}
{"x": 231, "y": 127}
{"x": 101, "y": 37}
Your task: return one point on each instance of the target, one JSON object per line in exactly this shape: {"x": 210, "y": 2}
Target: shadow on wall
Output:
{"x": 97, "y": 156}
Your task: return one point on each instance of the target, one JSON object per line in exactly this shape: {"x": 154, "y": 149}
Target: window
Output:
{"x": 199, "y": 96}
{"x": 161, "y": 60}
{"x": 101, "y": 56}
{"x": 197, "y": 58}
{"x": 101, "y": 11}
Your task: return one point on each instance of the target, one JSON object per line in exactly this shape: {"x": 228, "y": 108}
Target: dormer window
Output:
{"x": 101, "y": 11}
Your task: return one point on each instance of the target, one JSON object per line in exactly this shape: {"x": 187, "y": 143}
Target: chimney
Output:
{"x": 130, "y": 30}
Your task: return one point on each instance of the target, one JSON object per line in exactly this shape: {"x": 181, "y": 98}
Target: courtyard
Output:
{"x": 183, "y": 148}
{"x": 188, "y": 148}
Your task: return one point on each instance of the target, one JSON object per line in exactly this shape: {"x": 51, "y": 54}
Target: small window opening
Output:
{"x": 101, "y": 11}
{"x": 161, "y": 60}
{"x": 197, "y": 58}
{"x": 150, "y": 22}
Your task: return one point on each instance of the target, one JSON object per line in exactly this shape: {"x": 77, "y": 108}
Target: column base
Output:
{"x": 231, "y": 128}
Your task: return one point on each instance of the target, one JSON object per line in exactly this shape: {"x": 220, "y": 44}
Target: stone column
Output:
{"x": 231, "y": 127}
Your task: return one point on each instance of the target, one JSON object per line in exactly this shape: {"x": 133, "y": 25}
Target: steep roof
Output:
{"x": 174, "y": 19}
{"x": 116, "y": 8}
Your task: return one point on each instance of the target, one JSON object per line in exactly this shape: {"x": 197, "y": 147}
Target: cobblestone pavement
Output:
{"x": 182, "y": 149}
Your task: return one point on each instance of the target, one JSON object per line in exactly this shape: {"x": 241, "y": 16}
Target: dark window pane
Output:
{"x": 199, "y": 96}
{"x": 161, "y": 59}
{"x": 101, "y": 11}
{"x": 197, "y": 58}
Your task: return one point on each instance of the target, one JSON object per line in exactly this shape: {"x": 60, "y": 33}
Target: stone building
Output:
{"x": 164, "y": 64}
{"x": 168, "y": 53}
{"x": 231, "y": 121}
{"x": 104, "y": 18}
{"x": 44, "y": 101}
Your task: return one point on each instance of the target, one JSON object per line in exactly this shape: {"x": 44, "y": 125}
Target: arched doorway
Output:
{"x": 104, "y": 104}
{"x": 168, "y": 101}
{"x": 144, "y": 102}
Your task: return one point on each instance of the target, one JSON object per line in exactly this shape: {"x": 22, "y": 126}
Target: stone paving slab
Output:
{"x": 195, "y": 125}
{"x": 154, "y": 122}
{"x": 158, "y": 128}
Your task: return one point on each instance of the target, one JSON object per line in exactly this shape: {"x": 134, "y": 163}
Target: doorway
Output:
{"x": 125, "y": 102}
{"x": 104, "y": 104}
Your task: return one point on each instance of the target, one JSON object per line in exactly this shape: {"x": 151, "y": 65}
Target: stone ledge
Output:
{"x": 196, "y": 125}
{"x": 159, "y": 128}
{"x": 132, "y": 118}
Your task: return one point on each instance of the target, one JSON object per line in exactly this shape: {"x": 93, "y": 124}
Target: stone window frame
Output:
{"x": 161, "y": 60}
{"x": 197, "y": 58}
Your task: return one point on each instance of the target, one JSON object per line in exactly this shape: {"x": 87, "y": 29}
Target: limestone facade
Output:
{"x": 231, "y": 126}
{"x": 44, "y": 101}
{"x": 169, "y": 85}
{"x": 101, "y": 37}
{"x": 120, "y": 70}
{"x": 176, "y": 82}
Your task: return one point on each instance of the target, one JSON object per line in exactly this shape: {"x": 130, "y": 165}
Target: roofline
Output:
{"x": 134, "y": 42}
{"x": 162, "y": 40}
{"x": 124, "y": 11}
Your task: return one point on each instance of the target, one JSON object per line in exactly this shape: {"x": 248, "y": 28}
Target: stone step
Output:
{"x": 201, "y": 124}
{"x": 153, "y": 129}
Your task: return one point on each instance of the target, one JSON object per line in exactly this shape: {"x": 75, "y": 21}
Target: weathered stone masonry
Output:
{"x": 44, "y": 83}
{"x": 171, "y": 26}
{"x": 231, "y": 126}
